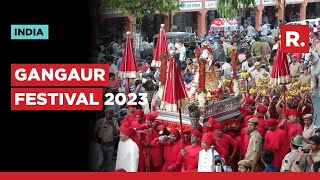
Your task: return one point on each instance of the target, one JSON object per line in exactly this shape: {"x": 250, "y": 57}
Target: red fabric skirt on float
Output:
{"x": 280, "y": 73}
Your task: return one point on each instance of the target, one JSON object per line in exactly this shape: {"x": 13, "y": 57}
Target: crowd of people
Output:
{"x": 273, "y": 133}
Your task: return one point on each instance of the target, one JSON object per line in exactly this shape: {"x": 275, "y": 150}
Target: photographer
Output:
{"x": 312, "y": 156}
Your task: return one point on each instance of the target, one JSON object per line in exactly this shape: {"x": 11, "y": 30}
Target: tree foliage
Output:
{"x": 142, "y": 8}
{"x": 230, "y": 8}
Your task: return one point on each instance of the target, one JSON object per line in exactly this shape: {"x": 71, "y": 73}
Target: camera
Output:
{"x": 306, "y": 151}
{"x": 217, "y": 159}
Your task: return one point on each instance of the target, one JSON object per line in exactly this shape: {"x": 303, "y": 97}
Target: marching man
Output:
{"x": 207, "y": 155}
{"x": 128, "y": 151}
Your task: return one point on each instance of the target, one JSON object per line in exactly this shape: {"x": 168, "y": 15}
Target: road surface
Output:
{"x": 316, "y": 105}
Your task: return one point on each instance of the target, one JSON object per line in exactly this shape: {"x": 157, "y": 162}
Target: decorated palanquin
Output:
{"x": 223, "y": 111}
{"x": 212, "y": 97}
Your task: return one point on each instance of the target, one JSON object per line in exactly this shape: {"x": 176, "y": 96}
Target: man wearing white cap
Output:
{"x": 257, "y": 73}
{"x": 105, "y": 130}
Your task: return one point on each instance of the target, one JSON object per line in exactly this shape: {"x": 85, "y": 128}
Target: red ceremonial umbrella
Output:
{"x": 217, "y": 22}
{"x": 161, "y": 54}
{"x": 280, "y": 74}
{"x": 174, "y": 96}
{"x": 128, "y": 67}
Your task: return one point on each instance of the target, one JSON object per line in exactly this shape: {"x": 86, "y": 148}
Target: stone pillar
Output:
{"x": 303, "y": 11}
{"x": 202, "y": 26}
{"x": 258, "y": 18}
{"x": 167, "y": 22}
{"x": 130, "y": 24}
{"x": 281, "y": 11}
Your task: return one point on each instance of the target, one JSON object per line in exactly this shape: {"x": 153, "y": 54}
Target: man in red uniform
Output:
{"x": 218, "y": 147}
{"x": 274, "y": 141}
{"x": 130, "y": 115}
{"x": 136, "y": 137}
{"x": 261, "y": 111}
{"x": 291, "y": 127}
{"x": 207, "y": 129}
{"x": 153, "y": 154}
{"x": 187, "y": 137}
{"x": 140, "y": 119}
{"x": 246, "y": 108}
{"x": 226, "y": 141}
{"x": 172, "y": 148}
{"x": 211, "y": 122}
{"x": 190, "y": 154}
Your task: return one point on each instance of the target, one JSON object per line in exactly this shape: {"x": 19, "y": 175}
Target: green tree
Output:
{"x": 142, "y": 8}
{"x": 230, "y": 8}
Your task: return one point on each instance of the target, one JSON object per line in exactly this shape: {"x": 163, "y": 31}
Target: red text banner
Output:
{"x": 57, "y": 99}
{"x": 154, "y": 176}
{"x": 83, "y": 75}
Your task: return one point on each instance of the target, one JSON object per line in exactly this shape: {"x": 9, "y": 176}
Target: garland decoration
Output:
{"x": 202, "y": 74}
{"x": 163, "y": 68}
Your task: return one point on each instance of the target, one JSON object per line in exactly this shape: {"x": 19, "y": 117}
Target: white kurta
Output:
{"x": 205, "y": 160}
{"x": 128, "y": 156}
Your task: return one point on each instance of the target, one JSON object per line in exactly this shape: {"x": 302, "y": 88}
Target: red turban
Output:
{"x": 128, "y": 131}
{"x": 262, "y": 109}
{"x": 218, "y": 126}
{"x": 271, "y": 122}
{"x": 139, "y": 113}
{"x": 208, "y": 139}
{"x": 206, "y": 129}
{"x": 246, "y": 119}
{"x": 186, "y": 132}
{"x": 250, "y": 101}
{"x": 174, "y": 132}
{"x": 131, "y": 106}
{"x": 245, "y": 110}
{"x": 196, "y": 133}
{"x": 291, "y": 112}
{"x": 212, "y": 121}
{"x": 161, "y": 127}
{"x": 155, "y": 114}
{"x": 150, "y": 117}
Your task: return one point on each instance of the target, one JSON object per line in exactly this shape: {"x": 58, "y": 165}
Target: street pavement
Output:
{"x": 316, "y": 105}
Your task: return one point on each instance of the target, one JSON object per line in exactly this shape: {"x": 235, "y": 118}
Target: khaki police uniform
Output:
{"x": 315, "y": 157}
{"x": 295, "y": 70}
{"x": 290, "y": 159}
{"x": 105, "y": 134}
{"x": 255, "y": 144}
{"x": 306, "y": 79}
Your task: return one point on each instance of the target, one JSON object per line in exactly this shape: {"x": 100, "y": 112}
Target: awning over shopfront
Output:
{"x": 220, "y": 24}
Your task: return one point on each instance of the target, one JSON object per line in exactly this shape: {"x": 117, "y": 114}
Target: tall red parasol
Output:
{"x": 161, "y": 54}
{"x": 128, "y": 67}
{"x": 280, "y": 74}
{"x": 174, "y": 96}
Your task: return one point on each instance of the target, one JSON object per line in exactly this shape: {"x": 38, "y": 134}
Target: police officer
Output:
{"x": 105, "y": 130}
{"x": 255, "y": 143}
{"x": 289, "y": 160}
